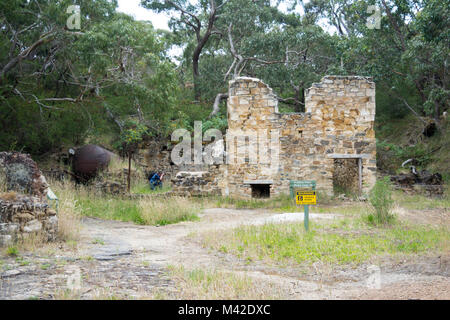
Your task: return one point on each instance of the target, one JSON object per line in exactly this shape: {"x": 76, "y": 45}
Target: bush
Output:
{"x": 12, "y": 251}
{"x": 380, "y": 198}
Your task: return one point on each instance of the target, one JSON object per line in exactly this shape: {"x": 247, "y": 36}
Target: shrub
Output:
{"x": 12, "y": 251}
{"x": 380, "y": 198}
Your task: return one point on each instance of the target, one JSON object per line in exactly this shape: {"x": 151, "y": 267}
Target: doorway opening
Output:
{"x": 347, "y": 176}
{"x": 260, "y": 191}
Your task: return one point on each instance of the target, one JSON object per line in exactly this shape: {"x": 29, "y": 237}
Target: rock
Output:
{"x": 24, "y": 217}
{"x": 5, "y": 240}
{"x": 27, "y": 214}
{"x": 22, "y": 174}
{"x": 422, "y": 182}
{"x": 111, "y": 187}
{"x": 11, "y": 273}
{"x": 8, "y": 228}
{"x": 33, "y": 226}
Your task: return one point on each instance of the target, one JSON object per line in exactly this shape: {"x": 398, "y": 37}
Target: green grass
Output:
{"x": 420, "y": 202}
{"x": 169, "y": 210}
{"x": 151, "y": 210}
{"x": 144, "y": 188}
{"x": 98, "y": 241}
{"x": 281, "y": 203}
{"x": 45, "y": 266}
{"x": 341, "y": 242}
{"x": 12, "y": 251}
{"x": 111, "y": 209}
{"x": 394, "y": 145}
{"x": 22, "y": 262}
{"x": 156, "y": 211}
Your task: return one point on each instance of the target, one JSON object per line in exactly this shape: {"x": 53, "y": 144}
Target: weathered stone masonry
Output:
{"x": 333, "y": 142}
{"x": 338, "y": 124}
{"x": 25, "y": 211}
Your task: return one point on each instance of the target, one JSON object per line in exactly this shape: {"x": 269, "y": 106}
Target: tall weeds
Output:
{"x": 380, "y": 198}
{"x": 69, "y": 215}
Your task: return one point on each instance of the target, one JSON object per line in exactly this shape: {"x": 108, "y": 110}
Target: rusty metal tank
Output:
{"x": 88, "y": 160}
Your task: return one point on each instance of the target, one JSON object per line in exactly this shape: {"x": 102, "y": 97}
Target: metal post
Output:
{"x": 360, "y": 177}
{"x": 307, "y": 218}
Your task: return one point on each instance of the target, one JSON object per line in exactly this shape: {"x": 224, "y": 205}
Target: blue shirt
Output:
{"x": 155, "y": 178}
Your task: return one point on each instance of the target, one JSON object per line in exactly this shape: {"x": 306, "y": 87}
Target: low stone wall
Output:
{"x": 112, "y": 187}
{"x": 22, "y": 215}
{"x": 199, "y": 183}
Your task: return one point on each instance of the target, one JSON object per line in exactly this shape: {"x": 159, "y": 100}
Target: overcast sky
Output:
{"x": 133, "y": 8}
{"x": 159, "y": 21}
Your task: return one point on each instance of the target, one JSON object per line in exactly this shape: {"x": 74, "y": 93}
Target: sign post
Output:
{"x": 305, "y": 195}
{"x": 306, "y": 219}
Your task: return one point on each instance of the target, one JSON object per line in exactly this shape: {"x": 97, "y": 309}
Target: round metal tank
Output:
{"x": 89, "y": 160}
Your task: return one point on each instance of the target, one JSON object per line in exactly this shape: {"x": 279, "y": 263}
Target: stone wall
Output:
{"x": 338, "y": 124}
{"x": 22, "y": 215}
{"x": 196, "y": 183}
{"x": 24, "y": 209}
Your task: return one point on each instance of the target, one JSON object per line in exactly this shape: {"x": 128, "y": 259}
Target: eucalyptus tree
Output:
{"x": 197, "y": 19}
{"x": 286, "y": 50}
{"x": 407, "y": 52}
{"x": 58, "y": 83}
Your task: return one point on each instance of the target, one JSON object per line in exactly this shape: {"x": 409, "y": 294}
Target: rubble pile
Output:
{"x": 423, "y": 182}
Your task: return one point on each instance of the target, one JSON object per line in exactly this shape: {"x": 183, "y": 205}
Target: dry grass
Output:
{"x": 94, "y": 294}
{"x": 3, "y": 184}
{"x": 69, "y": 216}
{"x": 33, "y": 242}
{"x": 69, "y": 224}
{"x": 118, "y": 164}
{"x": 198, "y": 284}
{"x": 67, "y": 294}
{"x": 8, "y": 196}
{"x": 165, "y": 211}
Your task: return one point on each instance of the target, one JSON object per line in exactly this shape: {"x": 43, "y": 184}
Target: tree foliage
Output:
{"x": 61, "y": 86}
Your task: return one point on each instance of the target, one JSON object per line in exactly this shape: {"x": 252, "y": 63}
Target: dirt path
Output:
{"x": 123, "y": 260}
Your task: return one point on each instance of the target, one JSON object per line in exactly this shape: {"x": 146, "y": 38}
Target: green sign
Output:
{"x": 305, "y": 194}
{"x": 301, "y": 184}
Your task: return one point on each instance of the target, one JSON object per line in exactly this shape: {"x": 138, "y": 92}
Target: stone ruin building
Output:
{"x": 333, "y": 142}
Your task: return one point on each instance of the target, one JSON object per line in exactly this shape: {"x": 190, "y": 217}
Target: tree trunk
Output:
{"x": 302, "y": 100}
{"x": 196, "y": 74}
{"x": 298, "y": 106}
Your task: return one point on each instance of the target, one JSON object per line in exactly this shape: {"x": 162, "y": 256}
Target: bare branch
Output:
{"x": 47, "y": 37}
{"x": 183, "y": 11}
{"x": 216, "y": 105}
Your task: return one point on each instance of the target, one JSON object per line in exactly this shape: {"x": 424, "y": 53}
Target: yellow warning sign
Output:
{"x": 306, "y": 197}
